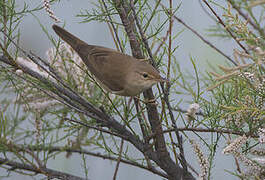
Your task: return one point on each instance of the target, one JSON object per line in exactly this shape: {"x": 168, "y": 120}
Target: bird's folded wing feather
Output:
{"x": 107, "y": 66}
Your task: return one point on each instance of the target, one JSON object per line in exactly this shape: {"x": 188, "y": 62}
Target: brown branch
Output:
{"x": 4, "y": 20}
{"x": 118, "y": 161}
{"x": 96, "y": 128}
{"x": 189, "y": 166}
{"x": 179, "y": 137}
{"x": 166, "y": 91}
{"x": 237, "y": 165}
{"x": 144, "y": 39}
{"x": 166, "y": 96}
{"x": 164, "y": 160}
{"x": 144, "y": 126}
{"x": 163, "y": 40}
{"x": 226, "y": 28}
{"x": 152, "y": 110}
{"x": 136, "y": 101}
{"x": 201, "y": 37}
{"x": 222, "y": 131}
{"x": 206, "y": 12}
{"x": 50, "y": 173}
{"x": 140, "y": 118}
{"x": 113, "y": 27}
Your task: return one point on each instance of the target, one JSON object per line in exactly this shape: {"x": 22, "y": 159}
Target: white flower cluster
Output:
{"x": 261, "y": 86}
{"x": 191, "y": 112}
{"x": 68, "y": 65}
{"x": 233, "y": 147}
{"x": 257, "y": 81}
{"x": 204, "y": 164}
{"x": 47, "y": 8}
{"x": 249, "y": 76}
{"x": 261, "y": 55}
{"x": 31, "y": 65}
{"x": 259, "y": 160}
{"x": 261, "y": 133}
{"x": 259, "y": 151}
{"x": 254, "y": 165}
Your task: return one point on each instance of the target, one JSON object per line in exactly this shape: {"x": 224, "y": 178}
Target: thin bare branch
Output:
{"x": 222, "y": 131}
{"x": 50, "y": 173}
{"x": 118, "y": 161}
{"x": 99, "y": 155}
{"x": 201, "y": 37}
{"x": 223, "y": 24}
{"x": 144, "y": 39}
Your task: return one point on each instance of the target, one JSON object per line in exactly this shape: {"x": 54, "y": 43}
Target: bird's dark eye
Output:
{"x": 145, "y": 75}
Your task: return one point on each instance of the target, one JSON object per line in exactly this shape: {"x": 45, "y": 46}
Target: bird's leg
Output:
{"x": 130, "y": 100}
{"x": 146, "y": 59}
{"x": 149, "y": 101}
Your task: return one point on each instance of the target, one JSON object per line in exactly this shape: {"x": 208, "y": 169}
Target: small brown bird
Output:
{"x": 116, "y": 72}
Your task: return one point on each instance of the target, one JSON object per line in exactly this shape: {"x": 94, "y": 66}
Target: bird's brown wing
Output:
{"x": 105, "y": 64}
{"x": 108, "y": 67}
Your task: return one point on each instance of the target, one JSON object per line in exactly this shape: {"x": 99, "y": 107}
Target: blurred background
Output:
{"x": 34, "y": 39}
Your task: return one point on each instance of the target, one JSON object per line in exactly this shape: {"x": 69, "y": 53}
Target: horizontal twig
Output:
{"x": 99, "y": 155}
{"x": 40, "y": 170}
{"x": 222, "y": 131}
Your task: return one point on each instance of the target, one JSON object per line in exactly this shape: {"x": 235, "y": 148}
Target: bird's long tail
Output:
{"x": 69, "y": 38}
